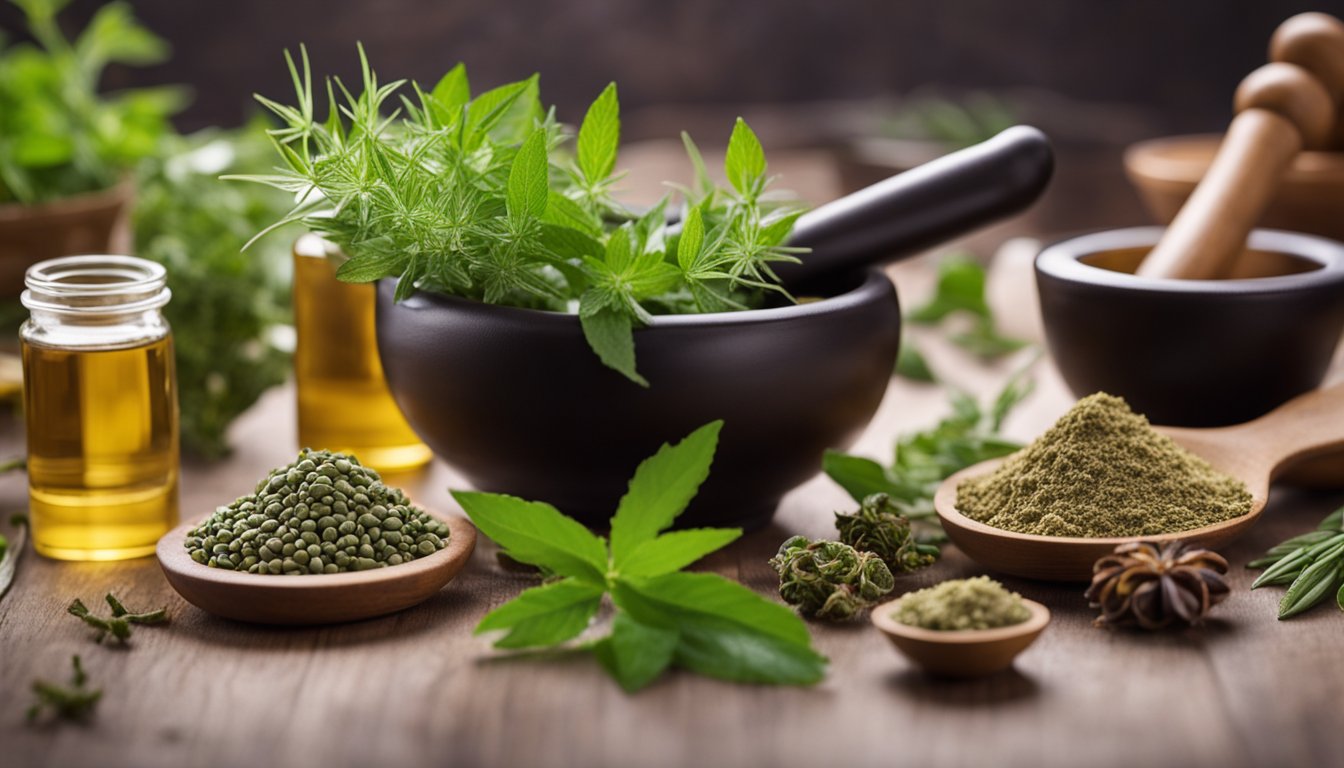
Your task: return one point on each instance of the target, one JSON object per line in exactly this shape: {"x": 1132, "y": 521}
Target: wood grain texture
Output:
{"x": 417, "y": 688}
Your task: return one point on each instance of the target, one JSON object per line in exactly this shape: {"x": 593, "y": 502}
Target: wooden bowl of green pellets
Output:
{"x": 358, "y": 548}
{"x": 963, "y": 627}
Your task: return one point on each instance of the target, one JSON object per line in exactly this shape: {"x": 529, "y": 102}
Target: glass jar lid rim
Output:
{"x": 91, "y": 284}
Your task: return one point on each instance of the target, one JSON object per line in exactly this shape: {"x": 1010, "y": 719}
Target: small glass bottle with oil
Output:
{"x": 100, "y": 397}
{"x": 344, "y": 402}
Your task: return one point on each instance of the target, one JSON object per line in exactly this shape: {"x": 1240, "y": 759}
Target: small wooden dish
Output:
{"x": 961, "y": 653}
{"x": 318, "y": 598}
{"x": 1254, "y": 452}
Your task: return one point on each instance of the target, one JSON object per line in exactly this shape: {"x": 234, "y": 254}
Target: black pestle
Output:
{"x": 924, "y": 206}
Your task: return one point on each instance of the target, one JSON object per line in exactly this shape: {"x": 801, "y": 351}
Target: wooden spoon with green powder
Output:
{"x": 1101, "y": 476}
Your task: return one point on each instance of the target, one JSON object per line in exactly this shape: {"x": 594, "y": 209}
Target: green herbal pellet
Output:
{"x": 1103, "y": 471}
{"x": 322, "y": 514}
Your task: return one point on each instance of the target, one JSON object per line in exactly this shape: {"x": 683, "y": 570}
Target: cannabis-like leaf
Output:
{"x": 697, "y": 621}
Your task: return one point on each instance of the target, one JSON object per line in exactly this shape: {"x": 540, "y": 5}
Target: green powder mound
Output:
{"x": 978, "y": 603}
{"x": 1103, "y": 471}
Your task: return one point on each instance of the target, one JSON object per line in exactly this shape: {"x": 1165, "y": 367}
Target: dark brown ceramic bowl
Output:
{"x": 517, "y": 402}
{"x": 1196, "y": 353}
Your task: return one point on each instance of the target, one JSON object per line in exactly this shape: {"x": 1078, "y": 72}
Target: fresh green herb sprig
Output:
{"x": 922, "y": 460}
{"x": 58, "y": 135}
{"x": 479, "y": 198}
{"x": 960, "y": 290}
{"x": 664, "y": 617}
{"x": 118, "y": 626}
{"x": 74, "y": 701}
{"x": 955, "y": 123}
{"x": 227, "y": 305}
{"x": 1311, "y": 564}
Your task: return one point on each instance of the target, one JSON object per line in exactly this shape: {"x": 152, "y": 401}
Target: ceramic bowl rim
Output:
{"x": 1062, "y": 260}
{"x": 1036, "y": 622}
{"x": 874, "y": 286}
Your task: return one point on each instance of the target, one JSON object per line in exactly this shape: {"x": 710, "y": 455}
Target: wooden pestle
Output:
{"x": 1315, "y": 42}
{"x": 1281, "y": 108}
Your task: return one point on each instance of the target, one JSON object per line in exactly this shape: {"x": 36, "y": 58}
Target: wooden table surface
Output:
{"x": 418, "y": 689}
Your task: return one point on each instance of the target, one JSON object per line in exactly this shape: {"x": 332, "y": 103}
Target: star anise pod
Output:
{"x": 1152, "y": 585}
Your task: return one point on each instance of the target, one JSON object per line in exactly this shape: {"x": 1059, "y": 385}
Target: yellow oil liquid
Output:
{"x": 344, "y": 403}
{"x": 102, "y": 449}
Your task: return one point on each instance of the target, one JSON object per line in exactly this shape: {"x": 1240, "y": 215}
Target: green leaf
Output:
{"x": 528, "y": 184}
{"x": 745, "y": 162}
{"x": 536, "y": 533}
{"x": 910, "y": 363}
{"x": 635, "y": 654}
{"x": 961, "y": 288}
{"x": 611, "y": 336}
{"x": 488, "y": 109}
{"x": 599, "y": 137}
{"x": 545, "y": 615}
{"x": 676, "y": 550}
{"x": 372, "y": 266}
{"x": 692, "y": 239}
{"x": 724, "y": 629}
{"x": 113, "y": 35}
{"x": 662, "y": 486}
{"x": 564, "y": 212}
{"x": 859, "y": 477}
{"x": 621, "y": 249}
{"x": 451, "y": 93}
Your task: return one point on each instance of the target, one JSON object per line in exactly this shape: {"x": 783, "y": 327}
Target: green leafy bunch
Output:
{"x": 1311, "y": 565}
{"x": 922, "y": 460}
{"x": 878, "y": 526}
{"x": 227, "y": 305}
{"x": 664, "y": 617}
{"x": 482, "y": 197}
{"x": 960, "y": 290}
{"x": 830, "y": 579}
{"x": 58, "y": 135}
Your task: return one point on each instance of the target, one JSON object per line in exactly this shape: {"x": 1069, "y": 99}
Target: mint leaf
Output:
{"x": 611, "y": 335}
{"x": 452, "y": 92}
{"x": 527, "y": 190}
{"x": 676, "y": 550}
{"x": 724, "y": 629}
{"x": 599, "y": 137}
{"x": 536, "y": 533}
{"x": 692, "y": 239}
{"x": 621, "y": 249}
{"x": 859, "y": 476}
{"x": 488, "y": 109}
{"x": 634, "y": 653}
{"x": 562, "y": 211}
{"x": 545, "y": 615}
{"x": 660, "y": 490}
{"x": 745, "y": 162}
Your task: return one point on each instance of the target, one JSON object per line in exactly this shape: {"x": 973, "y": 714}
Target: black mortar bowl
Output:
{"x": 517, "y": 401}
{"x": 1196, "y": 353}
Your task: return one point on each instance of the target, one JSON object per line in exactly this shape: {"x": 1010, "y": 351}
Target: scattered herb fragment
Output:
{"x": 1312, "y": 565}
{"x": 830, "y": 579}
{"x": 879, "y": 527}
{"x": 700, "y": 622}
{"x": 1153, "y": 586}
{"x": 910, "y": 362}
{"x": 962, "y": 604}
{"x": 474, "y": 197}
{"x": 323, "y": 513}
{"x": 118, "y": 626}
{"x": 11, "y": 551}
{"x": 961, "y": 290}
{"x": 922, "y": 460}
{"x": 66, "y": 702}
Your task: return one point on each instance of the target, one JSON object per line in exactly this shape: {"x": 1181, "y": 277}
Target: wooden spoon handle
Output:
{"x": 1281, "y": 108}
{"x": 1306, "y": 426}
{"x": 1315, "y": 42}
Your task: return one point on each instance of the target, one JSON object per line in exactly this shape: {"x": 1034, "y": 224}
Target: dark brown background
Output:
{"x": 1179, "y": 61}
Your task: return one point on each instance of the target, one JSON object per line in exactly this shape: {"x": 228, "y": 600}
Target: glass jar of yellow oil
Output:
{"x": 344, "y": 403}
{"x": 100, "y": 398}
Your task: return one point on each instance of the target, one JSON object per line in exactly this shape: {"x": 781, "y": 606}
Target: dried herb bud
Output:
{"x": 830, "y": 579}
{"x": 73, "y": 702}
{"x": 1153, "y": 586}
{"x": 879, "y": 527}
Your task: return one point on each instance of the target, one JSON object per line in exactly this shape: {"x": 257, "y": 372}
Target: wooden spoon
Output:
{"x": 1254, "y": 452}
{"x": 313, "y": 599}
{"x": 1281, "y": 109}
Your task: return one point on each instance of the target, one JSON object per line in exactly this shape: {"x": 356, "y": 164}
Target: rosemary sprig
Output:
{"x": 68, "y": 702}
{"x": 1311, "y": 564}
